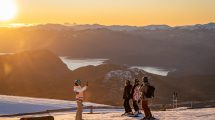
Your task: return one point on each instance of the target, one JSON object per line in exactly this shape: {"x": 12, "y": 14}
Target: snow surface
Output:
{"x": 184, "y": 114}
{"x": 20, "y": 104}
{"x": 14, "y": 104}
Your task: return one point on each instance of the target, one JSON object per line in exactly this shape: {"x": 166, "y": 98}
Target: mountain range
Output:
{"x": 209, "y": 26}
{"x": 188, "y": 49}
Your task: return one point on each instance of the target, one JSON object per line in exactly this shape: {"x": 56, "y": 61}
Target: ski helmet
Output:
{"x": 78, "y": 81}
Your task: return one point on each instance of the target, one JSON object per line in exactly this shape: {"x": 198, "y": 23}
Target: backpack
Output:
{"x": 150, "y": 92}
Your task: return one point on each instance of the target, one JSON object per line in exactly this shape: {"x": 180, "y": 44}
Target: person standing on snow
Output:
{"x": 146, "y": 109}
{"x": 79, "y": 98}
{"x": 127, "y": 97}
{"x": 136, "y": 96}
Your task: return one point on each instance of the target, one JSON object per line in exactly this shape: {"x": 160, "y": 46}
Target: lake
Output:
{"x": 77, "y": 63}
{"x": 73, "y": 64}
{"x": 155, "y": 70}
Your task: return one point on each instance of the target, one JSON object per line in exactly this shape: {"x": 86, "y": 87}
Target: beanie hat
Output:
{"x": 136, "y": 80}
{"x": 145, "y": 79}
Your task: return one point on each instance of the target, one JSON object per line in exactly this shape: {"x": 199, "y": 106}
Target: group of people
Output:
{"x": 138, "y": 93}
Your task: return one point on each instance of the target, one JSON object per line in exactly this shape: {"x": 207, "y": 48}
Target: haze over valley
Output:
{"x": 36, "y": 70}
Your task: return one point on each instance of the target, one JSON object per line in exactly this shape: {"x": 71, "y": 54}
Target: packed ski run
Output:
{"x": 22, "y": 104}
{"x": 177, "y": 114}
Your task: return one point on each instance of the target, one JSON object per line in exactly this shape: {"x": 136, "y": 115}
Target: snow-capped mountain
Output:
{"x": 128, "y": 74}
{"x": 209, "y": 26}
{"x": 112, "y": 27}
{"x": 157, "y": 27}
{"x": 122, "y": 27}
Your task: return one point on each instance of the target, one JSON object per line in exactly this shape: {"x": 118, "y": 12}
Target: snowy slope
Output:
{"x": 184, "y": 114}
{"x": 14, "y": 104}
{"x": 194, "y": 114}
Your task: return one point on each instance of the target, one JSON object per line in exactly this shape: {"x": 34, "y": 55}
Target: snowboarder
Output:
{"x": 145, "y": 98}
{"x": 79, "y": 98}
{"x": 127, "y": 97}
{"x": 136, "y": 96}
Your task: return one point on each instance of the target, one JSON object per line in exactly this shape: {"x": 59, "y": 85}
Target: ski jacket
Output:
{"x": 79, "y": 92}
{"x": 143, "y": 90}
{"x": 132, "y": 91}
{"x": 127, "y": 92}
{"x": 137, "y": 93}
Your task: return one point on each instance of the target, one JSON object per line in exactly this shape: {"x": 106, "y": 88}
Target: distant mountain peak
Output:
{"x": 209, "y": 26}
{"x": 59, "y": 27}
{"x": 157, "y": 27}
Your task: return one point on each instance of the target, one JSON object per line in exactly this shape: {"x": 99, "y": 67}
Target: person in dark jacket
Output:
{"x": 136, "y": 96}
{"x": 146, "y": 109}
{"x": 127, "y": 97}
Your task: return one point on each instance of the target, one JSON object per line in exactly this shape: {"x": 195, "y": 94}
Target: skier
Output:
{"x": 127, "y": 97}
{"x": 146, "y": 109}
{"x": 136, "y": 96}
{"x": 79, "y": 98}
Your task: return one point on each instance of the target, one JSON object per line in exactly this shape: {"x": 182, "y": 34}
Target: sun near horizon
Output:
{"x": 107, "y": 12}
{"x": 8, "y": 10}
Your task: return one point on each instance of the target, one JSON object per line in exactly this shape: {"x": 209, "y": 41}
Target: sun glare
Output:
{"x": 8, "y": 10}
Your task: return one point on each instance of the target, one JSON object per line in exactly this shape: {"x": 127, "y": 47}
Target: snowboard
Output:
{"x": 134, "y": 115}
{"x": 149, "y": 119}
{"x": 127, "y": 114}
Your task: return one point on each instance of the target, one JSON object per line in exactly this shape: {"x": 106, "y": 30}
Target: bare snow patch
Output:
{"x": 119, "y": 74}
{"x": 128, "y": 74}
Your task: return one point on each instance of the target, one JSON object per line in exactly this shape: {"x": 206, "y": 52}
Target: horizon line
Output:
{"x": 19, "y": 25}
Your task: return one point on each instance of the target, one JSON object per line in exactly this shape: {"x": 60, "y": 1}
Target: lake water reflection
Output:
{"x": 77, "y": 63}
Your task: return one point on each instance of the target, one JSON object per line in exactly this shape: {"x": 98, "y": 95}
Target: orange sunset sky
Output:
{"x": 107, "y": 12}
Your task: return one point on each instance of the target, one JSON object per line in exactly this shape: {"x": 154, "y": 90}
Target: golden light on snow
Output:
{"x": 8, "y": 10}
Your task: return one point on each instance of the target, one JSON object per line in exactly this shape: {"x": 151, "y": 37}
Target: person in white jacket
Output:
{"x": 79, "y": 91}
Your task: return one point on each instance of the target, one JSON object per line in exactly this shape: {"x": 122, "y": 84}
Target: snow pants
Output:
{"x": 135, "y": 105}
{"x": 79, "y": 110}
{"x": 146, "y": 109}
{"x": 127, "y": 106}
